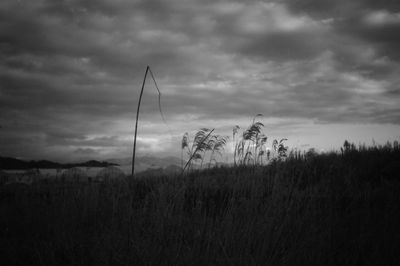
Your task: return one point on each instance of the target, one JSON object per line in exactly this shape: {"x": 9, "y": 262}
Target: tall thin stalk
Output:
{"x": 137, "y": 120}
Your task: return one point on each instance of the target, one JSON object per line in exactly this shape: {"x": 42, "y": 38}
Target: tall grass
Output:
{"x": 311, "y": 209}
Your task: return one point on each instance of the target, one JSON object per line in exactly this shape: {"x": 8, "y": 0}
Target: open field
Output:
{"x": 329, "y": 209}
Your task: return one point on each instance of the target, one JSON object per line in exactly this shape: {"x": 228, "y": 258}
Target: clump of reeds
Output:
{"x": 204, "y": 145}
{"x": 250, "y": 145}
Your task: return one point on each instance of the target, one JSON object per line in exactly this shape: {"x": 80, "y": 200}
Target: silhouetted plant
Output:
{"x": 246, "y": 148}
{"x": 216, "y": 145}
{"x": 185, "y": 144}
{"x": 250, "y": 146}
{"x": 260, "y": 150}
{"x": 347, "y": 147}
{"x": 235, "y": 143}
{"x": 280, "y": 148}
{"x": 203, "y": 142}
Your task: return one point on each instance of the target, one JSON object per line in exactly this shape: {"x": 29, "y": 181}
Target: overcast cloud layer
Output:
{"x": 70, "y": 73}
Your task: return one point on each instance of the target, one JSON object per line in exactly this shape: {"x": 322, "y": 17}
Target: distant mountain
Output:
{"x": 8, "y": 163}
{"x": 150, "y": 160}
{"x": 169, "y": 170}
{"x": 147, "y": 163}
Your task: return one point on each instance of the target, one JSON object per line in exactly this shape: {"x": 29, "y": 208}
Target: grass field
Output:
{"x": 328, "y": 209}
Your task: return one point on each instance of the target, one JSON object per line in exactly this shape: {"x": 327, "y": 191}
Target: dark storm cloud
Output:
{"x": 376, "y": 22}
{"x": 378, "y": 28}
{"x": 329, "y": 9}
{"x": 282, "y": 46}
{"x": 71, "y": 70}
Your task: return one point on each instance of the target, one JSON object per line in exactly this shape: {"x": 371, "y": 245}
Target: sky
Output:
{"x": 319, "y": 71}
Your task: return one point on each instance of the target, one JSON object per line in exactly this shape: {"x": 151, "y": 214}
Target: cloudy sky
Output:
{"x": 320, "y": 71}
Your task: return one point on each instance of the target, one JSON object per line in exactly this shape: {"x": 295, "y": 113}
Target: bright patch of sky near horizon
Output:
{"x": 319, "y": 71}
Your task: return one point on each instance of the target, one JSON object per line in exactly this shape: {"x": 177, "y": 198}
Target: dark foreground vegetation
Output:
{"x": 329, "y": 209}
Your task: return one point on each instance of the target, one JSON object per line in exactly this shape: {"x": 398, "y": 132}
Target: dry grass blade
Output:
{"x": 138, "y": 109}
{"x": 137, "y": 121}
